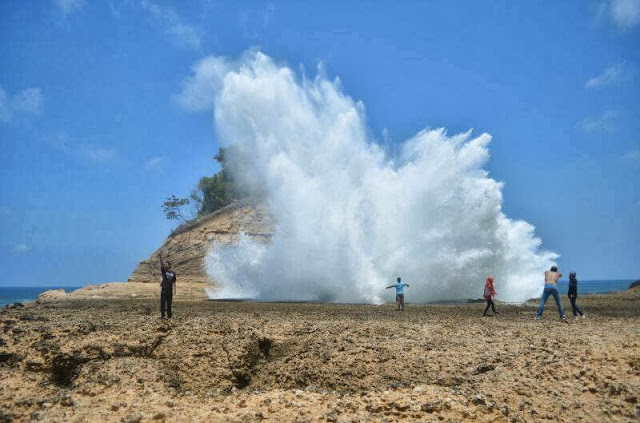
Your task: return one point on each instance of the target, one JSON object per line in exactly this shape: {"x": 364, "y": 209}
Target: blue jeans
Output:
{"x": 550, "y": 289}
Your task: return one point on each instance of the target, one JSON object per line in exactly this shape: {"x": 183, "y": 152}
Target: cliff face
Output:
{"x": 186, "y": 247}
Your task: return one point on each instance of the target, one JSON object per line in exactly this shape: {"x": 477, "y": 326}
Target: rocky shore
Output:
{"x": 111, "y": 359}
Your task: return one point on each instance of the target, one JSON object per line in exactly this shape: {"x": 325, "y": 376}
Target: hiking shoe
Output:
{"x": 537, "y": 318}
{"x": 584, "y": 317}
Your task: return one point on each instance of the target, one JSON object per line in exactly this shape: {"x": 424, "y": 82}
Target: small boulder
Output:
{"x": 51, "y": 295}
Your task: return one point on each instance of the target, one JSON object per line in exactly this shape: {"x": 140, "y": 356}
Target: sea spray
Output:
{"x": 351, "y": 217}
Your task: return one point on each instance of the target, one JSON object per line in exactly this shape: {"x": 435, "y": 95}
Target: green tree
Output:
{"x": 219, "y": 190}
{"x": 211, "y": 193}
{"x": 214, "y": 192}
{"x": 173, "y": 206}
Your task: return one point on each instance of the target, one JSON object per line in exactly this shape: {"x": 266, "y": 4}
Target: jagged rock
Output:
{"x": 133, "y": 418}
{"x": 484, "y": 368}
{"x": 478, "y": 400}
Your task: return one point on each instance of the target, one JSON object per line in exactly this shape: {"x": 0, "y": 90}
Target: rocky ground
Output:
{"x": 128, "y": 290}
{"x": 113, "y": 360}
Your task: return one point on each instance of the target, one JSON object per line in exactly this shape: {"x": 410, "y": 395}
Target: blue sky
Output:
{"x": 94, "y": 139}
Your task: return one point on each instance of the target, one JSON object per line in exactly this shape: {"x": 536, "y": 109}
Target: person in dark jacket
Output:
{"x": 168, "y": 286}
{"x": 573, "y": 295}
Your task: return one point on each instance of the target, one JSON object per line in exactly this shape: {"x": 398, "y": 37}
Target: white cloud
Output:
{"x": 26, "y": 102}
{"x": 153, "y": 162}
{"x": 186, "y": 35}
{"x": 198, "y": 91}
{"x": 625, "y": 14}
{"x": 183, "y": 35}
{"x": 604, "y": 122}
{"x": 97, "y": 153}
{"x": 21, "y": 248}
{"x": 612, "y": 75}
{"x": 83, "y": 151}
{"x": 69, "y": 6}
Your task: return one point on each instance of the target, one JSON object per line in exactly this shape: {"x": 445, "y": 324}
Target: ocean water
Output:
{"x": 596, "y": 286}
{"x": 20, "y": 294}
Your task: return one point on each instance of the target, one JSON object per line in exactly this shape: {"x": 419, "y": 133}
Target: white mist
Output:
{"x": 350, "y": 219}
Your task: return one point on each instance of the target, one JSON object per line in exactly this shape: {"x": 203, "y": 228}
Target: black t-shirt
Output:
{"x": 168, "y": 278}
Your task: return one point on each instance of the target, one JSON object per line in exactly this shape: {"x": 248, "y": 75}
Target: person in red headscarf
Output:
{"x": 489, "y": 293}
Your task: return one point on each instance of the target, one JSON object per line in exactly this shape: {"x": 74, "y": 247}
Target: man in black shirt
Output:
{"x": 168, "y": 285}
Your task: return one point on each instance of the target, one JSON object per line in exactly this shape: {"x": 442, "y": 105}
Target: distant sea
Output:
{"x": 20, "y": 294}
{"x": 596, "y": 286}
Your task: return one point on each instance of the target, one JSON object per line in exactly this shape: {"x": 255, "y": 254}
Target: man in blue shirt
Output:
{"x": 399, "y": 286}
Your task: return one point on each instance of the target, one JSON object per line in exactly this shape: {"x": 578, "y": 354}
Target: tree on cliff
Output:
{"x": 211, "y": 193}
{"x": 173, "y": 208}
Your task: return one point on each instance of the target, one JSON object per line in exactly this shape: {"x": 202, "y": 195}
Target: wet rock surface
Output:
{"x": 116, "y": 361}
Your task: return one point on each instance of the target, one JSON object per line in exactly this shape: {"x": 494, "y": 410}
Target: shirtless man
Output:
{"x": 551, "y": 288}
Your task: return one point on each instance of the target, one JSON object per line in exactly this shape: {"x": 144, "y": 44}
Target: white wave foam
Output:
{"x": 349, "y": 217}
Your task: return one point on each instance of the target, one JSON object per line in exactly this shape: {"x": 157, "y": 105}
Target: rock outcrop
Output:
{"x": 52, "y": 295}
{"x": 187, "y": 246}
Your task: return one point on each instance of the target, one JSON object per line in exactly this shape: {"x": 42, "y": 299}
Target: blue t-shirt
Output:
{"x": 400, "y": 288}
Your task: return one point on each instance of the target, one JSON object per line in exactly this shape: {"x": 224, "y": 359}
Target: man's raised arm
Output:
{"x": 162, "y": 267}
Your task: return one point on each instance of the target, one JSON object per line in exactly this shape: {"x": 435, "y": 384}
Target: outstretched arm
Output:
{"x": 390, "y": 286}
{"x": 162, "y": 268}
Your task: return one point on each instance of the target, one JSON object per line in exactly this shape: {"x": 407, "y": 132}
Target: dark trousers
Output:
{"x": 400, "y": 301}
{"x": 166, "y": 298}
{"x": 574, "y": 306}
{"x": 490, "y": 304}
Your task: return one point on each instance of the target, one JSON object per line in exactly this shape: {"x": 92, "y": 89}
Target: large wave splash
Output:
{"x": 350, "y": 216}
